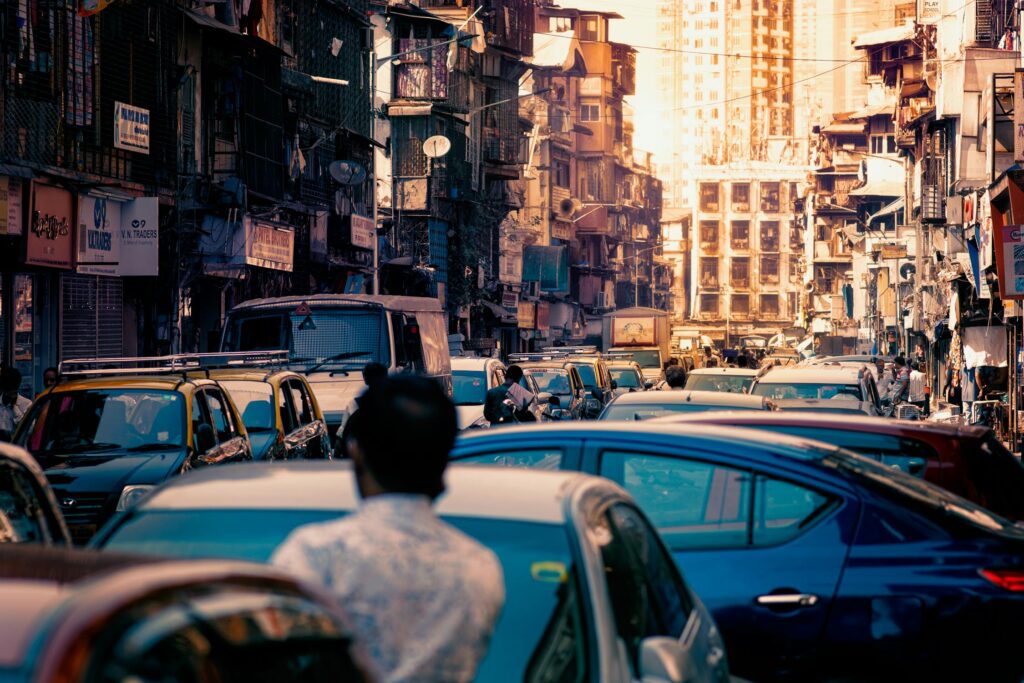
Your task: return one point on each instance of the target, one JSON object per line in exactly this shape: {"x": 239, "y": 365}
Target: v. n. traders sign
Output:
{"x": 131, "y": 128}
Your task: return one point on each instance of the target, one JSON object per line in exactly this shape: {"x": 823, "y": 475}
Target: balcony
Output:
{"x": 624, "y": 68}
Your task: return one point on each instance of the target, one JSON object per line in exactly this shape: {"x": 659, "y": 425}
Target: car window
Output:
{"x": 200, "y": 417}
{"x": 254, "y": 401}
{"x": 289, "y": 421}
{"x": 540, "y": 458}
{"x": 588, "y": 375}
{"x": 783, "y": 509}
{"x": 693, "y": 504}
{"x": 626, "y": 378}
{"x": 646, "y": 411}
{"x": 647, "y": 595}
{"x": 469, "y": 387}
{"x": 909, "y": 455}
{"x": 300, "y": 402}
{"x": 219, "y": 415}
{"x": 23, "y": 517}
{"x": 849, "y": 392}
{"x": 736, "y": 384}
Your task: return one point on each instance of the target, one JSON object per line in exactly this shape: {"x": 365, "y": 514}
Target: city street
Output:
{"x": 507, "y": 340}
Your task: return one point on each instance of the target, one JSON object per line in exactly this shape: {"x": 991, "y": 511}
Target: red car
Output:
{"x": 969, "y": 461}
{"x": 79, "y": 616}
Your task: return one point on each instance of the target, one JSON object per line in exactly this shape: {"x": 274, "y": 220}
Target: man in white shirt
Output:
{"x": 423, "y": 596}
{"x": 916, "y": 394}
{"x": 13, "y": 405}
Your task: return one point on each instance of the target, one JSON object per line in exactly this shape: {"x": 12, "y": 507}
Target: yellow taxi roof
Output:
{"x": 159, "y": 382}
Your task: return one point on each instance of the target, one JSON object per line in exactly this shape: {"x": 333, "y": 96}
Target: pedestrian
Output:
{"x": 13, "y": 405}
{"x": 51, "y": 376}
{"x": 423, "y": 596}
{"x": 916, "y": 394}
{"x": 675, "y": 377}
{"x": 495, "y": 409}
{"x": 952, "y": 390}
{"x": 901, "y": 383}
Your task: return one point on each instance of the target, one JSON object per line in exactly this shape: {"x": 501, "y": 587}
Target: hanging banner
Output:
{"x": 1010, "y": 262}
{"x": 140, "y": 238}
{"x": 49, "y": 241}
{"x": 11, "y": 215}
{"x": 99, "y": 239}
{"x": 87, "y": 8}
{"x": 131, "y": 128}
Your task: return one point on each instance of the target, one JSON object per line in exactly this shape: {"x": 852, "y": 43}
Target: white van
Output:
{"x": 331, "y": 337}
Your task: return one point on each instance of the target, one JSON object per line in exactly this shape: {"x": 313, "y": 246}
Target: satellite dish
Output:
{"x": 437, "y": 146}
{"x": 906, "y": 270}
{"x": 347, "y": 172}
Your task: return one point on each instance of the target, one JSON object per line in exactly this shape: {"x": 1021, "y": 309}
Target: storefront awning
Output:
{"x": 887, "y": 210}
{"x": 896, "y": 34}
{"x": 846, "y": 128}
{"x": 873, "y": 110}
{"x": 913, "y": 89}
{"x": 879, "y": 188}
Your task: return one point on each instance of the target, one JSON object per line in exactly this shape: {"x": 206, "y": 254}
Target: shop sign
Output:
{"x": 527, "y": 315}
{"x": 543, "y": 315}
{"x": 140, "y": 238}
{"x": 985, "y": 244}
{"x": 1010, "y": 261}
{"x": 929, "y": 11}
{"x": 561, "y": 230}
{"x": 362, "y": 231}
{"x": 318, "y": 236}
{"x": 10, "y": 206}
{"x": 1018, "y": 115}
{"x": 99, "y": 244}
{"x": 894, "y": 251}
{"x": 131, "y": 128}
{"x": 50, "y": 242}
{"x": 510, "y": 300}
{"x": 268, "y": 245}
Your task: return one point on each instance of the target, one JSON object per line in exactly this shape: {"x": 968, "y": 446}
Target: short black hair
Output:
{"x": 405, "y": 428}
{"x": 675, "y": 377}
{"x": 514, "y": 373}
{"x": 374, "y": 372}
{"x": 10, "y": 378}
{"x": 900, "y": 361}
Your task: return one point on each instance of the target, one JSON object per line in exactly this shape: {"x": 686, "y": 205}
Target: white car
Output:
{"x": 472, "y": 378}
{"x": 829, "y": 382}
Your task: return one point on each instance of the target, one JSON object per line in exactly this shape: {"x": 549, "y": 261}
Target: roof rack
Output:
{"x": 176, "y": 364}
{"x": 573, "y": 350}
{"x": 535, "y": 357}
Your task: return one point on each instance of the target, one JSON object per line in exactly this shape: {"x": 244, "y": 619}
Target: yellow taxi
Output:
{"x": 105, "y": 437}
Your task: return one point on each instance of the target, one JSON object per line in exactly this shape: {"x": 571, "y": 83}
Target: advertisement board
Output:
{"x": 527, "y": 315}
{"x": 362, "y": 231}
{"x": 633, "y": 332}
{"x": 1010, "y": 261}
{"x": 99, "y": 238}
{"x": 131, "y": 128}
{"x": 268, "y": 245}
{"x": 11, "y": 215}
{"x": 140, "y": 238}
{"x": 49, "y": 241}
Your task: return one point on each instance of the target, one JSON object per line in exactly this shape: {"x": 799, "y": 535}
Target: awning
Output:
{"x": 206, "y": 21}
{"x": 887, "y": 210}
{"x": 873, "y": 110}
{"x": 554, "y": 50}
{"x": 410, "y": 110}
{"x": 499, "y": 312}
{"x": 913, "y": 89}
{"x": 879, "y": 188}
{"x": 846, "y": 128}
{"x": 16, "y": 171}
{"x": 896, "y": 34}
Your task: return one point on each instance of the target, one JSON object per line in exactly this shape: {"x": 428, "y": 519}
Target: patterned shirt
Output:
{"x": 423, "y": 597}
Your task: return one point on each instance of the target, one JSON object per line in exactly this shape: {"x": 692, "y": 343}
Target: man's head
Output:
{"x": 50, "y": 377}
{"x": 400, "y": 437}
{"x": 675, "y": 377}
{"x": 900, "y": 362}
{"x": 10, "y": 383}
{"x": 513, "y": 374}
{"x": 374, "y": 373}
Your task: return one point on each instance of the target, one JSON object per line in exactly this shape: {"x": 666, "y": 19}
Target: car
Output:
{"x": 644, "y": 406}
{"x": 472, "y": 378}
{"x": 813, "y": 560}
{"x": 732, "y": 380}
{"x": 967, "y": 460}
{"x": 85, "y": 617}
{"x": 781, "y": 356}
{"x": 854, "y": 360}
{"x": 596, "y": 379}
{"x": 106, "y": 437}
{"x": 627, "y": 376}
{"x": 591, "y": 591}
{"x": 280, "y": 413}
{"x": 831, "y": 405}
{"x": 29, "y": 512}
{"x": 558, "y": 379}
{"x": 837, "y": 382}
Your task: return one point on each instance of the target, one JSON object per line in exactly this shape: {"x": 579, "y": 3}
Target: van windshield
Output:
{"x": 328, "y": 337}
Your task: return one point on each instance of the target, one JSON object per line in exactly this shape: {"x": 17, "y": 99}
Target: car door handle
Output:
{"x": 787, "y": 600}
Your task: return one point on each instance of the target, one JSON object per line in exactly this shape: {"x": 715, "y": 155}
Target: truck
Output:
{"x": 642, "y": 332}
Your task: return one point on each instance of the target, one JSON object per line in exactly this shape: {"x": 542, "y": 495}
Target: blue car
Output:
{"x": 814, "y": 561}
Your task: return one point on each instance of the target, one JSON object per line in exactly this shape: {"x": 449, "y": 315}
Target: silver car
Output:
{"x": 592, "y": 593}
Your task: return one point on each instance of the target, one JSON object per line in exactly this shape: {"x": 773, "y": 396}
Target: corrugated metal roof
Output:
{"x": 895, "y": 34}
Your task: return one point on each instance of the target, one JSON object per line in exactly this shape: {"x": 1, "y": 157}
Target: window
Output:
{"x": 709, "y": 197}
{"x": 709, "y": 234}
{"x": 590, "y": 112}
{"x": 739, "y": 275}
{"x": 560, "y": 172}
{"x": 540, "y": 458}
{"x": 741, "y": 304}
{"x": 796, "y": 236}
{"x": 219, "y": 415}
{"x": 741, "y": 197}
{"x": 592, "y": 179}
{"x": 709, "y": 272}
{"x": 883, "y": 144}
{"x": 709, "y": 305}
{"x": 875, "y": 61}
{"x": 795, "y": 274}
{"x": 693, "y": 504}
{"x": 770, "y": 305}
{"x": 791, "y": 305}
{"x": 300, "y": 402}
{"x": 782, "y": 510}
{"x": 770, "y": 269}
{"x": 589, "y": 29}
{"x": 769, "y": 235}
{"x": 770, "y": 197}
{"x": 289, "y": 421}
{"x": 741, "y": 234}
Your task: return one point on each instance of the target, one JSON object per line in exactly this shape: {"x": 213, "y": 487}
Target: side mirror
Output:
{"x": 554, "y": 401}
{"x": 661, "y": 660}
{"x": 615, "y": 385}
{"x": 204, "y": 439}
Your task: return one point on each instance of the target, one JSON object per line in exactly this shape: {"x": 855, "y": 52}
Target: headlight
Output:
{"x": 130, "y": 495}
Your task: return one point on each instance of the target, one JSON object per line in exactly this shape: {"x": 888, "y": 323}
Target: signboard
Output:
{"x": 411, "y": 194}
{"x": 543, "y": 315}
{"x": 527, "y": 315}
{"x": 140, "y": 238}
{"x": 99, "y": 244}
{"x": 131, "y": 128}
{"x": 11, "y": 215}
{"x": 268, "y": 245}
{"x": 363, "y": 229}
{"x": 318, "y": 236}
{"x": 929, "y": 11}
{"x": 633, "y": 331}
{"x": 50, "y": 241}
{"x": 561, "y": 230}
{"x": 1018, "y": 115}
{"x": 894, "y": 251}
{"x": 510, "y": 300}
{"x": 1010, "y": 261}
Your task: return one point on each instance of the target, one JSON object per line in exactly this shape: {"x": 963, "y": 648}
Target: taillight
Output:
{"x": 1010, "y": 579}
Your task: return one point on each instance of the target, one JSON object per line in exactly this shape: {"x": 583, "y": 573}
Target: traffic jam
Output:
{"x": 649, "y": 506}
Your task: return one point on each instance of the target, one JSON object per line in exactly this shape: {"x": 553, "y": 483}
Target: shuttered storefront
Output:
{"x": 91, "y": 317}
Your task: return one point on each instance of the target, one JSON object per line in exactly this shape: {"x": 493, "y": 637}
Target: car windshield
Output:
{"x": 255, "y": 402}
{"x": 646, "y": 411}
{"x": 734, "y": 384}
{"x": 647, "y": 359}
{"x": 626, "y": 378}
{"x": 469, "y": 388}
{"x": 324, "y": 338}
{"x": 587, "y": 374}
{"x": 96, "y": 421}
{"x": 535, "y": 558}
{"x": 848, "y": 392}
{"x": 554, "y": 382}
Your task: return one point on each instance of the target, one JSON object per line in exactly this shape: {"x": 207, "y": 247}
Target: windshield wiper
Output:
{"x": 82, "y": 447}
{"x": 153, "y": 447}
{"x": 339, "y": 356}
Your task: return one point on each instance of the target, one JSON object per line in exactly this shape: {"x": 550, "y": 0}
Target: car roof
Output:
{"x": 390, "y": 302}
{"x": 823, "y": 420}
{"x": 544, "y": 365}
{"x": 826, "y": 405}
{"x": 467, "y": 363}
{"x": 816, "y": 374}
{"x": 851, "y": 358}
{"x": 249, "y": 374}
{"x": 740, "y": 372}
{"x": 623, "y": 365}
{"x": 168, "y": 382}
{"x": 471, "y": 490}
{"x": 678, "y": 396}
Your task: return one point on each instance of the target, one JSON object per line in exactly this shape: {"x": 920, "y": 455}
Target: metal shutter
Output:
{"x": 91, "y": 317}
